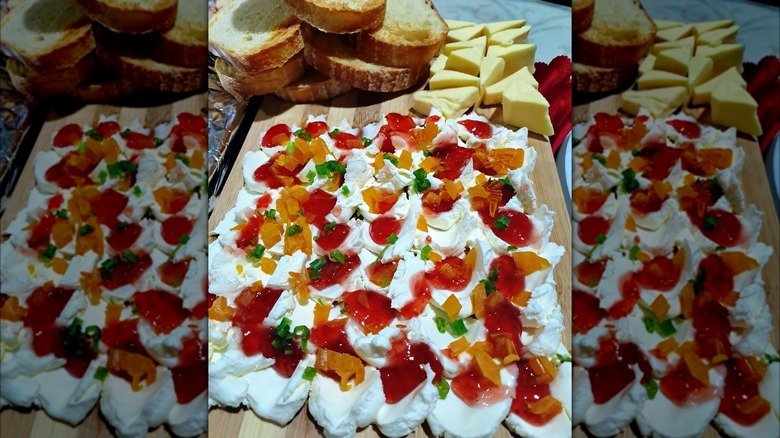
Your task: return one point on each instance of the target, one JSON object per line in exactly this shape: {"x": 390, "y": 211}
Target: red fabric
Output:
{"x": 555, "y": 85}
{"x": 764, "y": 85}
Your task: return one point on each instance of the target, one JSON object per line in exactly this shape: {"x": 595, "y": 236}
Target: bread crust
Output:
{"x": 127, "y": 20}
{"x": 582, "y": 14}
{"x": 243, "y": 86}
{"x": 100, "y": 92}
{"x": 312, "y": 87}
{"x": 150, "y": 74}
{"x": 180, "y": 54}
{"x": 78, "y": 44}
{"x": 592, "y": 79}
{"x": 33, "y": 84}
{"x": 334, "y": 20}
{"x": 330, "y": 55}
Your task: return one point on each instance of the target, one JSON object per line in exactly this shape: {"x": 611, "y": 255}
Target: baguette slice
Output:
{"x": 149, "y": 73}
{"x": 582, "y": 14}
{"x": 34, "y": 84}
{"x": 103, "y": 91}
{"x": 186, "y": 43}
{"x": 329, "y": 54}
{"x": 312, "y": 87}
{"x": 340, "y": 16}
{"x": 620, "y": 34}
{"x": 406, "y": 38}
{"x": 243, "y": 86}
{"x": 255, "y": 35}
{"x": 47, "y": 35}
{"x": 592, "y": 79}
{"x": 132, "y": 16}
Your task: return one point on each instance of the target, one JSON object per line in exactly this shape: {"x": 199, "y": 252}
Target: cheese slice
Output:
{"x": 665, "y": 24}
{"x": 661, "y": 79}
{"x": 703, "y": 92}
{"x": 493, "y": 93}
{"x": 659, "y": 102}
{"x": 647, "y": 64}
{"x": 455, "y": 24}
{"x": 438, "y": 64}
{"x": 515, "y": 56}
{"x": 718, "y": 36}
{"x": 452, "y": 102}
{"x": 465, "y": 61}
{"x": 493, "y": 28}
{"x": 733, "y": 106}
{"x": 524, "y": 105}
{"x": 480, "y": 42}
{"x": 688, "y": 42}
{"x": 673, "y": 60}
{"x": 510, "y": 36}
{"x": 452, "y": 79}
{"x": 465, "y": 33}
{"x": 673, "y": 33}
{"x": 723, "y": 56}
{"x": 706, "y": 26}
{"x": 490, "y": 71}
{"x": 699, "y": 71}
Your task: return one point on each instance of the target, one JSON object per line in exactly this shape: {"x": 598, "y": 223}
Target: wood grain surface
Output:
{"x": 358, "y": 109}
{"x": 34, "y": 422}
{"x": 755, "y": 185}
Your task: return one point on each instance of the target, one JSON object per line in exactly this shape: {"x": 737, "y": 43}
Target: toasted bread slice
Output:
{"x": 35, "y": 84}
{"x": 47, "y": 35}
{"x": 102, "y": 91}
{"x": 582, "y": 14}
{"x": 620, "y": 34}
{"x": 132, "y": 16}
{"x": 406, "y": 39}
{"x": 150, "y": 73}
{"x": 243, "y": 86}
{"x": 312, "y": 87}
{"x": 186, "y": 43}
{"x": 592, "y": 79}
{"x": 255, "y": 35}
{"x": 340, "y": 16}
{"x": 331, "y": 56}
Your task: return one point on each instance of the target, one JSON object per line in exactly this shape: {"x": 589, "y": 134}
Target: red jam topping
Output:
{"x": 263, "y": 201}
{"x": 513, "y": 227}
{"x": 319, "y": 205}
{"x": 125, "y": 270}
{"x": 453, "y": 159}
{"x": 510, "y": 281}
{"x": 405, "y": 369}
{"x": 331, "y": 238}
{"x": 590, "y": 228}
{"x": 663, "y": 159}
{"x": 613, "y": 370}
{"x": 107, "y": 129}
{"x": 139, "y": 141}
{"x": 645, "y": 201}
{"x": 259, "y": 339}
{"x": 589, "y": 273}
{"x": 443, "y": 204}
{"x": 475, "y": 389}
{"x": 501, "y": 316}
{"x": 174, "y": 228}
{"x": 586, "y": 312}
{"x": 370, "y": 310}
{"x": 718, "y": 279}
{"x": 173, "y": 273}
{"x": 40, "y": 235}
{"x": 163, "y": 310}
{"x": 248, "y": 237}
{"x": 659, "y": 273}
{"x": 124, "y": 236}
{"x": 335, "y": 272}
{"x": 70, "y": 171}
{"x": 422, "y": 295}
{"x": 315, "y": 129}
{"x": 123, "y": 335}
{"x": 332, "y": 335}
{"x": 722, "y": 227}
{"x": 691, "y": 130}
{"x": 742, "y": 401}
{"x": 629, "y": 290}
{"x": 278, "y": 135}
{"x": 681, "y": 387}
{"x": 190, "y": 377}
{"x": 108, "y": 205}
{"x": 382, "y": 227}
{"x": 347, "y": 141}
{"x": 451, "y": 274}
{"x": 531, "y": 388}
{"x": 711, "y": 326}
{"x": 68, "y": 135}
{"x": 477, "y": 128}
{"x": 399, "y": 122}
{"x": 254, "y": 304}
{"x": 275, "y": 176}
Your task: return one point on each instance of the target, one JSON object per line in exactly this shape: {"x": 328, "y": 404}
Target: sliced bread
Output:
{"x": 149, "y": 73}
{"x": 186, "y": 43}
{"x": 104, "y": 90}
{"x": 47, "y": 35}
{"x": 582, "y": 14}
{"x": 255, "y": 35}
{"x": 35, "y": 84}
{"x": 340, "y": 16}
{"x": 312, "y": 87}
{"x": 132, "y": 16}
{"x": 411, "y": 35}
{"x": 592, "y": 79}
{"x": 620, "y": 34}
{"x": 331, "y": 56}
{"x": 243, "y": 86}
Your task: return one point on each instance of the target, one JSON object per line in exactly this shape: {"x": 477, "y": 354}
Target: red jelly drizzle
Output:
{"x": 125, "y": 271}
{"x": 718, "y": 279}
{"x": 691, "y": 130}
{"x": 163, "y": 310}
{"x": 370, "y": 310}
{"x": 739, "y": 389}
{"x": 123, "y": 335}
{"x": 510, "y": 282}
{"x": 586, "y": 312}
{"x": 679, "y": 385}
{"x": 645, "y": 201}
{"x": 475, "y": 389}
{"x": 382, "y": 227}
{"x": 67, "y": 175}
{"x": 253, "y": 305}
{"x": 347, "y": 141}
{"x": 263, "y": 201}
{"x": 502, "y": 316}
{"x": 591, "y": 227}
{"x": 107, "y": 207}
{"x": 173, "y": 273}
{"x": 399, "y": 122}
{"x": 658, "y": 273}
{"x": 272, "y": 175}
{"x": 726, "y": 231}
{"x": 331, "y": 239}
{"x": 442, "y": 278}
{"x": 40, "y": 235}
{"x": 519, "y": 232}
{"x": 107, "y": 129}
{"x": 589, "y": 273}
{"x": 530, "y": 390}
{"x": 55, "y": 201}
{"x": 453, "y": 159}
{"x": 259, "y": 339}
{"x": 315, "y": 129}
{"x": 319, "y": 205}
{"x": 422, "y": 295}
{"x": 174, "y": 228}
{"x": 248, "y": 237}
{"x": 444, "y": 204}
{"x": 332, "y": 335}
{"x": 334, "y": 272}
{"x": 68, "y": 135}
{"x": 629, "y": 291}
{"x": 477, "y": 129}
{"x": 277, "y": 135}
{"x": 613, "y": 370}
{"x": 405, "y": 369}
{"x": 663, "y": 159}
{"x": 124, "y": 236}
{"x": 190, "y": 377}
{"x": 711, "y": 327}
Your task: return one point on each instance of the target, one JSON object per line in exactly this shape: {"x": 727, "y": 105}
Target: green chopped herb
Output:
{"x": 493, "y": 275}
{"x": 255, "y": 254}
{"x": 270, "y": 214}
{"x": 334, "y": 133}
{"x": 443, "y": 387}
{"x": 309, "y": 373}
{"x": 311, "y": 176}
{"x": 290, "y": 148}
{"x": 490, "y": 281}
{"x": 137, "y": 191}
{"x": 121, "y": 226}
{"x": 118, "y": 169}
{"x": 601, "y": 238}
{"x": 128, "y": 256}
{"x": 385, "y": 282}
{"x": 102, "y": 175}
{"x": 381, "y": 253}
{"x": 338, "y": 256}
{"x": 421, "y": 182}
{"x": 62, "y": 214}
{"x": 294, "y": 229}
{"x": 107, "y": 267}
{"x": 710, "y": 222}
{"x": 184, "y": 238}
{"x": 101, "y": 373}
{"x": 663, "y": 328}
{"x": 81, "y": 147}
{"x": 315, "y": 267}
{"x": 183, "y": 158}
{"x": 652, "y": 388}
{"x": 629, "y": 182}
{"x": 302, "y": 134}
{"x": 367, "y": 141}
{"x": 425, "y": 253}
{"x": 458, "y": 327}
{"x": 698, "y": 282}
{"x": 441, "y": 324}
{"x": 391, "y": 159}
{"x": 283, "y": 337}
{"x": 303, "y": 332}
{"x": 126, "y": 132}
{"x": 575, "y": 141}
{"x": 93, "y": 331}
{"x": 633, "y": 252}
{"x": 501, "y": 223}
{"x": 507, "y": 183}
{"x": 426, "y": 153}
{"x": 85, "y": 229}
{"x": 345, "y": 190}
{"x": 48, "y": 253}
{"x": 594, "y": 283}
{"x": 158, "y": 142}
{"x": 511, "y": 248}
{"x": 328, "y": 168}
{"x": 771, "y": 358}
{"x": 92, "y": 132}
{"x": 599, "y": 158}
{"x": 563, "y": 358}
{"x": 330, "y": 226}
{"x": 720, "y": 248}
{"x": 392, "y": 238}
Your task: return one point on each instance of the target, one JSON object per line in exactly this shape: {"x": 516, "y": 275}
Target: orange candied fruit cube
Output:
{"x": 528, "y": 262}
{"x": 11, "y": 310}
{"x": 489, "y": 368}
{"x": 137, "y": 366}
{"x": 220, "y": 310}
{"x": 346, "y": 366}
{"x": 451, "y": 307}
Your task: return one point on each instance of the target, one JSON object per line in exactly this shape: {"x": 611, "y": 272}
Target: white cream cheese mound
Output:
{"x": 103, "y": 295}
{"x": 392, "y": 274}
{"x": 668, "y": 283}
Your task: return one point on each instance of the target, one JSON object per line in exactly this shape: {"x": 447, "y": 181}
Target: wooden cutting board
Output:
{"x": 35, "y": 422}
{"x": 755, "y": 185}
{"x": 359, "y": 109}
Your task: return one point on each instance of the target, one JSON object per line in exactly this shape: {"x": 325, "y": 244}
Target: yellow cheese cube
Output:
{"x": 524, "y": 105}
{"x": 688, "y": 43}
{"x": 455, "y": 100}
{"x": 733, "y": 106}
{"x": 699, "y": 71}
{"x": 492, "y": 28}
{"x": 702, "y": 93}
{"x": 673, "y": 33}
{"x": 659, "y": 102}
{"x": 490, "y": 72}
{"x": 480, "y": 42}
{"x": 706, "y": 26}
{"x": 465, "y": 33}
{"x": 510, "y": 36}
{"x": 665, "y": 24}
{"x": 455, "y": 24}
{"x": 465, "y": 61}
{"x": 515, "y": 56}
{"x": 723, "y": 56}
{"x": 661, "y": 79}
{"x": 452, "y": 79}
{"x": 718, "y": 36}
{"x": 647, "y": 64}
{"x": 673, "y": 60}
{"x": 493, "y": 93}
{"x": 438, "y": 64}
